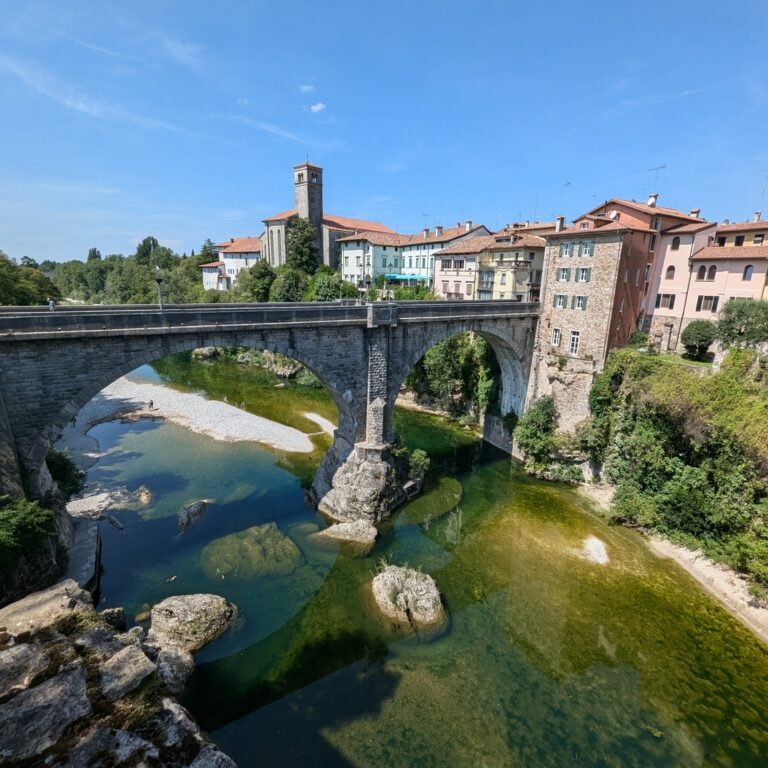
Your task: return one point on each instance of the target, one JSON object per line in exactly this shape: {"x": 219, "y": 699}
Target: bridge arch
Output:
{"x": 508, "y": 342}
{"x": 106, "y": 370}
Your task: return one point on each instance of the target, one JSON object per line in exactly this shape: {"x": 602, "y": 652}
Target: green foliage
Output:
{"x": 697, "y": 337}
{"x": 418, "y": 464}
{"x": 510, "y": 421}
{"x": 638, "y": 338}
{"x": 743, "y": 322}
{"x": 68, "y": 476}
{"x": 254, "y": 284}
{"x": 24, "y": 285}
{"x": 24, "y": 525}
{"x": 535, "y": 431}
{"x": 301, "y": 251}
{"x": 413, "y": 293}
{"x": 326, "y": 285}
{"x": 94, "y": 254}
{"x": 289, "y": 285}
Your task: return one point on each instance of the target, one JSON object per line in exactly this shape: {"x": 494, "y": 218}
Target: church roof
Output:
{"x": 336, "y": 222}
{"x": 242, "y": 245}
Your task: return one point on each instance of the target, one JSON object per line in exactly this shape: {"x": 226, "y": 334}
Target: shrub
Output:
{"x": 535, "y": 430}
{"x": 67, "y": 475}
{"x": 418, "y": 465}
{"x": 23, "y": 526}
{"x": 697, "y": 337}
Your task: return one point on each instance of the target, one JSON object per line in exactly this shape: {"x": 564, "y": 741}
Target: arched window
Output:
{"x": 675, "y": 243}
{"x": 670, "y": 273}
{"x": 702, "y": 274}
{"x": 712, "y": 272}
{"x": 748, "y": 270}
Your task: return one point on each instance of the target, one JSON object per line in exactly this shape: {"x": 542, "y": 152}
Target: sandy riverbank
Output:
{"x": 125, "y": 398}
{"x": 727, "y": 586}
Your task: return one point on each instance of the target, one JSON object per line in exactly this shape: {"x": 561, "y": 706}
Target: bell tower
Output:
{"x": 308, "y": 189}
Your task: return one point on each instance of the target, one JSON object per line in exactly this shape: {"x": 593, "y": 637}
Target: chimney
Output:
{"x": 652, "y": 198}
{"x": 696, "y": 212}
{"x": 559, "y": 223}
{"x": 439, "y": 230}
{"x": 425, "y": 232}
{"x": 756, "y": 217}
{"x": 726, "y": 222}
{"x": 468, "y": 225}
{"x": 231, "y": 239}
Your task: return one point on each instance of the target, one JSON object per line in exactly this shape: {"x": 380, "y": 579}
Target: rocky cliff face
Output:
{"x": 76, "y": 692}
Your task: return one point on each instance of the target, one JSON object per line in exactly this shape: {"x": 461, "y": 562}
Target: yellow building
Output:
{"x": 510, "y": 267}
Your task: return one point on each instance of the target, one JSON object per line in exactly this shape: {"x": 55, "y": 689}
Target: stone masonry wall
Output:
{"x": 10, "y": 475}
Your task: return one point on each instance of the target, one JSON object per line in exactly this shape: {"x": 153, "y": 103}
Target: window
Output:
{"x": 748, "y": 270}
{"x": 739, "y": 240}
{"x": 560, "y": 301}
{"x": 563, "y": 275}
{"x": 445, "y": 286}
{"x": 469, "y": 289}
{"x": 670, "y": 273}
{"x": 397, "y": 262}
{"x": 457, "y": 287}
{"x": 637, "y": 277}
{"x": 585, "y": 273}
{"x": 656, "y": 223}
{"x": 721, "y": 241}
{"x": 626, "y": 275}
{"x": 314, "y": 178}
{"x": 675, "y": 244}
{"x": 707, "y": 303}
{"x": 503, "y": 278}
{"x": 588, "y": 248}
{"x": 665, "y": 300}
{"x": 652, "y": 246}
{"x": 573, "y": 344}
{"x": 712, "y": 272}
{"x": 621, "y": 305}
{"x": 385, "y": 248}
{"x": 702, "y": 273}
{"x": 458, "y": 264}
{"x": 301, "y": 178}
{"x": 579, "y": 302}
{"x": 584, "y": 225}
{"x": 555, "y": 337}
{"x": 758, "y": 239}
{"x": 566, "y": 249}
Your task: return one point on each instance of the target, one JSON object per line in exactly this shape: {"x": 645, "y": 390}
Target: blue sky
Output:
{"x": 183, "y": 119}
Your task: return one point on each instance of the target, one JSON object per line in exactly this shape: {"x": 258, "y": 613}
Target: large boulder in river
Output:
{"x": 206, "y": 353}
{"x": 357, "y": 535}
{"x": 188, "y": 622}
{"x": 192, "y": 513}
{"x": 262, "y": 550}
{"x": 409, "y": 598}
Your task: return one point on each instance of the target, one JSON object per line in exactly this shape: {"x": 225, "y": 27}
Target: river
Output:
{"x": 554, "y": 657}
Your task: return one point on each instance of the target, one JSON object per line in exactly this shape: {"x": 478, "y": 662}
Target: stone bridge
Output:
{"x": 52, "y": 363}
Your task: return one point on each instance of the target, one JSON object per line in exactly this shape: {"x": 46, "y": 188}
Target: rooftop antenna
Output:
{"x": 567, "y": 194}
{"x": 426, "y": 216}
{"x": 765, "y": 188}
{"x": 536, "y": 208}
{"x": 656, "y": 169}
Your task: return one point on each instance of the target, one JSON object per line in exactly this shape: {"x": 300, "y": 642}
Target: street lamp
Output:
{"x": 159, "y": 281}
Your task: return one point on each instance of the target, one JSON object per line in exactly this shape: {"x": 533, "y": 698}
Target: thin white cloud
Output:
{"x": 99, "y": 49}
{"x": 46, "y": 84}
{"x": 274, "y": 130}
{"x": 186, "y": 54}
{"x": 242, "y": 102}
{"x": 650, "y": 100}
{"x": 317, "y": 107}
{"x": 306, "y": 88}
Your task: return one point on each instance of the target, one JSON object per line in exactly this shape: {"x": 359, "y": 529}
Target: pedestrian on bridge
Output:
{"x": 51, "y": 304}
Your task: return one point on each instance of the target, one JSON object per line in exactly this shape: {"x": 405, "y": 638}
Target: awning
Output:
{"x": 405, "y": 277}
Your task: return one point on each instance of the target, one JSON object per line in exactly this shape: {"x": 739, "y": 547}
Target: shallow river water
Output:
{"x": 552, "y": 658}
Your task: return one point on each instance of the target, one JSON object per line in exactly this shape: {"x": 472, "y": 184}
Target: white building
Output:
{"x": 236, "y": 254}
{"x": 399, "y": 258}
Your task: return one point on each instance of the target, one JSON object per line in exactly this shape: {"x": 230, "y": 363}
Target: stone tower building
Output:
{"x": 308, "y": 191}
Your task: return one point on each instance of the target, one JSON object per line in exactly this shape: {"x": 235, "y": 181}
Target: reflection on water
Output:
{"x": 551, "y": 660}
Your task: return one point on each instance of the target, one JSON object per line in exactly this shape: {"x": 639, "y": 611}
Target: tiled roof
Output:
{"x": 744, "y": 226}
{"x": 682, "y": 229}
{"x": 243, "y": 245}
{"x": 212, "y": 264}
{"x": 448, "y": 234}
{"x": 731, "y": 253}
{"x": 378, "y": 238}
{"x": 614, "y": 227}
{"x": 472, "y": 245}
{"x": 655, "y": 210}
{"x": 336, "y": 222}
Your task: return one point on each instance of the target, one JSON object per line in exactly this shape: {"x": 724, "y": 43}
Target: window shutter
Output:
{"x": 658, "y": 300}
{"x": 672, "y": 301}
{"x": 573, "y": 302}
{"x": 577, "y": 249}
{"x": 589, "y": 274}
{"x": 584, "y": 303}
{"x": 567, "y": 275}
{"x": 698, "y": 303}
{"x": 715, "y": 303}
{"x": 554, "y": 301}
{"x": 562, "y": 249}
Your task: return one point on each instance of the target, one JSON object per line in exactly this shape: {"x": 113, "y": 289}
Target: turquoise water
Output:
{"x": 550, "y": 659}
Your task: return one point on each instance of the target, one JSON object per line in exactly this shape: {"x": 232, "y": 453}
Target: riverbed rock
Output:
{"x": 124, "y": 672}
{"x": 409, "y": 598}
{"x": 115, "y": 617}
{"x": 360, "y": 534}
{"x": 281, "y": 366}
{"x": 210, "y": 756}
{"x": 189, "y": 622}
{"x": 35, "y": 719}
{"x": 206, "y": 353}
{"x": 100, "y": 641}
{"x": 19, "y": 665}
{"x": 109, "y": 746}
{"x": 43, "y": 609}
{"x": 262, "y": 550}
{"x": 192, "y": 513}
{"x": 174, "y": 667}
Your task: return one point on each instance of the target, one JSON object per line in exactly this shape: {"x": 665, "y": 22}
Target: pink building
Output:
{"x": 456, "y": 266}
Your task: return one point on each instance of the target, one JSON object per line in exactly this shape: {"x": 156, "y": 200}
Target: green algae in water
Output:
{"x": 551, "y": 659}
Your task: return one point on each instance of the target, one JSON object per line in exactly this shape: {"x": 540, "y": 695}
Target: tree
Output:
{"x": 28, "y": 261}
{"x": 743, "y": 322}
{"x": 697, "y": 337}
{"x": 144, "y": 250}
{"x": 208, "y": 252}
{"x": 535, "y": 430}
{"x": 301, "y": 247}
{"x": 289, "y": 285}
{"x": 94, "y": 254}
{"x": 254, "y": 284}
{"x": 326, "y": 285}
